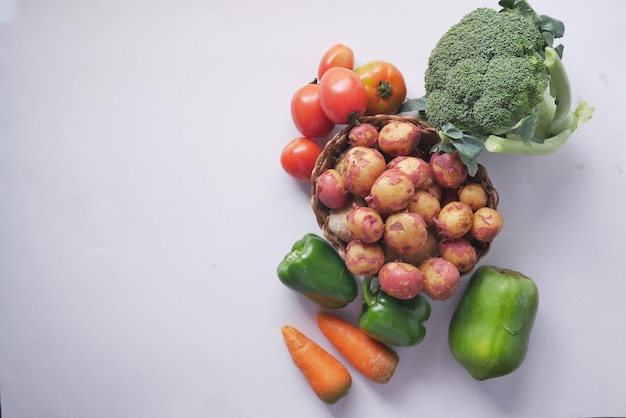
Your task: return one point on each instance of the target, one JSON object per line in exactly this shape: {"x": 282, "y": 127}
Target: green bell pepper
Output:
{"x": 490, "y": 328}
{"x": 314, "y": 269}
{"x": 393, "y": 321}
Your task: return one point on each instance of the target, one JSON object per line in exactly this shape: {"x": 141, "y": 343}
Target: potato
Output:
{"x": 429, "y": 249}
{"x": 365, "y": 224}
{"x": 338, "y": 223}
{"x": 474, "y": 195}
{"x": 338, "y": 218}
{"x": 405, "y": 232}
{"x": 426, "y": 205}
{"x": 448, "y": 169}
{"x": 417, "y": 169}
{"x": 434, "y": 189}
{"x": 487, "y": 224}
{"x": 360, "y": 167}
{"x": 400, "y": 280}
{"x": 399, "y": 138}
{"x": 391, "y": 192}
{"x": 363, "y": 135}
{"x": 441, "y": 278}
{"x": 331, "y": 189}
{"x": 364, "y": 259}
{"x": 454, "y": 220}
{"x": 459, "y": 252}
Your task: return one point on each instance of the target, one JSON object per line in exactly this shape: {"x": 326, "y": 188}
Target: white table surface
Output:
{"x": 144, "y": 212}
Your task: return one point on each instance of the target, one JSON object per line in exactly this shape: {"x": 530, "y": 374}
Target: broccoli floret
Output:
{"x": 486, "y": 73}
{"x": 496, "y": 77}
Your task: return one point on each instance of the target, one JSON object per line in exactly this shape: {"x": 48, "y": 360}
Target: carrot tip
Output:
{"x": 327, "y": 377}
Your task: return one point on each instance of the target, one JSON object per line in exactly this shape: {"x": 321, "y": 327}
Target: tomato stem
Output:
{"x": 353, "y": 117}
{"x": 384, "y": 89}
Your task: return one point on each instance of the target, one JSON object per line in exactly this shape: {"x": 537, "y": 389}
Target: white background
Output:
{"x": 144, "y": 212}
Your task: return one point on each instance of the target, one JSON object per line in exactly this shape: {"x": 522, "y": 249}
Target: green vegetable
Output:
{"x": 491, "y": 326}
{"x": 495, "y": 81}
{"x": 393, "y": 321}
{"x": 314, "y": 269}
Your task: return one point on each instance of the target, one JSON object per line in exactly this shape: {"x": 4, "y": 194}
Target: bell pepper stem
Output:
{"x": 368, "y": 297}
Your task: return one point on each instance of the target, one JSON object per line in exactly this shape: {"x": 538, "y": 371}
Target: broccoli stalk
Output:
{"x": 556, "y": 121}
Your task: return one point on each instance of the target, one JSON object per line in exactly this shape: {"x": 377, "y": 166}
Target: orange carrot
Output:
{"x": 329, "y": 379}
{"x": 372, "y": 358}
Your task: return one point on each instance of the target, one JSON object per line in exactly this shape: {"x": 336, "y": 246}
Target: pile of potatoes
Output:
{"x": 408, "y": 216}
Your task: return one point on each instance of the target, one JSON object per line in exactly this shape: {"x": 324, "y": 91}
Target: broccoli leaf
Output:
{"x": 468, "y": 146}
{"x": 413, "y": 105}
{"x": 526, "y": 127}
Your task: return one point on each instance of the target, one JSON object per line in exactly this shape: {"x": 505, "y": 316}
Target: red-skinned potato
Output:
{"x": 441, "y": 278}
{"x": 434, "y": 189}
{"x": 391, "y": 192}
{"x": 426, "y": 205}
{"x": 364, "y": 259}
{"x": 454, "y": 220}
{"x": 487, "y": 224}
{"x": 400, "y": 280}
{"x": 429, "y": 249}
{"x": 363, "y": 135}
{"x": 448, "y": 169}
{"x": 474, "y": 195}
{"x": 415, "y": 168}
{"x": 459, "y": 252}
{"x": 399, "y": 138}
{"x": 405, "y": 232}
{"x": 360, "y": 167}
{"x": 338, "y": 219}
{"x": 331, "y": 189}
{"x": 365, "y": 224}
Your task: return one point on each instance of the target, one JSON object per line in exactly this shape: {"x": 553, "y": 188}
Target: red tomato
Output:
{"x": 385, "y": 87}
{"x": 342, "y": 95}
{"x": 338, "y": 55}
{"x": 299, "y": 156}
{"x": 307, "y": 114}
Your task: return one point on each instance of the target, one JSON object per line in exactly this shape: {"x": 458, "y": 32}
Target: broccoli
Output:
{"x": 495, "y": 81}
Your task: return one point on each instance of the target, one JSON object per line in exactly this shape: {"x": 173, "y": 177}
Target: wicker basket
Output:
{"x": 335, "y": 147}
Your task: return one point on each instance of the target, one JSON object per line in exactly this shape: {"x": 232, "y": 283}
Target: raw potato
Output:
{"x": 405, "y": 232}
{"x": 441, "y": 278}
{"x": 448, "y": 169}
{"x": 364, "y": 259}
{"x": 487, "y": 224}
{"x": 474, "y": 195}
{"x": 360, "y": 167}
{"x": 331, "y": 189}
{"x": 363, "y": 135}
{"x": 426, "y": 205}
{"x": 434, "y": 189}
{"x": 455, "y": 220}
{"x": 338, "y": 223}
{"x": 416, "y": 168}
{"x": 400, "y": 280}
{"x": 429, "y": 249}
{"x": 459, "y": 252}
{"x": 399, "y": 138}
{"x": 338, "y": 219}
{"x": 365, "y": 224}
{"x": 391, "y": 192}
